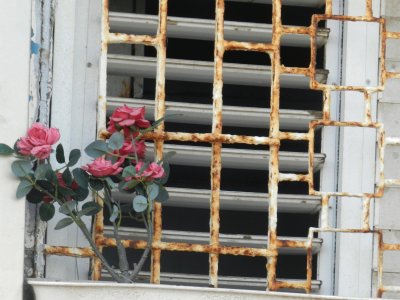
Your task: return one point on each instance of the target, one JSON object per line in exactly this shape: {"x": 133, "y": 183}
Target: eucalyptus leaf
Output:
{"x": 40, "y": 172}
{"x": 81, "y": 177}
{"x": 110, "y": 183}
{"x": 167, "y": 170}
{"x": 5, "y": 149}
{"x": 139, "y": 203}
{"x": 34, "y": 196}
{"x": 63, "y": 223}
{"x": 74, "y": 157}
{"x": 51, "y": 176}
{"x": 46, "y": 211}
{"x": 115, "y": 214}
{"x": 24, "y": 187}
{"x": 96, "y": 149}
{"x": 45, "y": 185}
{"x": 89, "y": 209}
{"x": 162, "y": 195}
{"x": 67, "y": 207}
{"x": 96, "y": 184}
{"x": 65, "y": 192}
{"x": 81, "y": 194}
{"x": 67, "y": 177}
{"x": 152, "y": 191}
{"x": 129, "y": 171}
{"x": 60, "y": 157}
{"x": 116, "y": 141}
{"x": 168, "y": 155}
{"x": 21, "y": 168}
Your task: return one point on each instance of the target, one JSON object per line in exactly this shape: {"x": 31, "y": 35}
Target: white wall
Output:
{"x": 15, "y": 24}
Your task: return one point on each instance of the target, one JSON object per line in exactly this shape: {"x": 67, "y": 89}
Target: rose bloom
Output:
{"x": 128, "y": 149}
{"x": 124, "y": 117}
{"x": 101, "y": 167}
{"x": 38, "y": 141}
{"x": 153, "y": 171}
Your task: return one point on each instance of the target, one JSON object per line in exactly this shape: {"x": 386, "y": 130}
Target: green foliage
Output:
{"x": 139, "y": 203}
{"x": 40, "y": 172}
{"x": 67, "y": 177}
{"x": 96, "y": 149}
{"x": 74, "y": 157}
{"x": 34, "y": 196}
{"x": 96, "y": 184}
{"x": 24, "y": 187}
{"x": 129, "y": 171}
{"x": 46, "y": 211}
{"x": 81, "y": 177}
{"x": 152, "y": 191}
{"x": 115, "y": 214}
{"x": 116, "y": 141}
{"x": 81, "y": 194}
{"x": 60, "y": 157}
{"x": 67, "y": 207}
{"x": 51, "y": 177}
{"x": 21, "y": 168}
{"x": 162, "y": 195}
{"x": 63, "y": 223}
{"x": 6, "y": 150}
{"x": 89, "y": 209}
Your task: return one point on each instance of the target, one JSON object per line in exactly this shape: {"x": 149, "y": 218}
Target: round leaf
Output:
{"x": 81, "y": 194}
{"x": 96, "y": 184}
{"x": 162, "y": 195}
{"x": 60, "y": 154}
{"x": 74, "y": 157}
{"x": 152, "y": 191}
{"x": 139, "y": 203}
{"x": 63, "y": 223}
{"x": 6, "y": 150}
{"x": 114, "y": 214}
{"x": 21, "y": 168}
{"x": 116, "y": 141}
{"x": 67, "y": 207}
{"x": 96, "y": 149}
{"x": 81, "y": 177}
{"x": 34, "y": 196}
{"x": 40, "y": 172}
{"x": 46, "y": 211}
{"x": 51, "y": 176}
{"x": 67, "y": 177}
{"x": 89, "y": 209}
{"x": 24, "y": 187}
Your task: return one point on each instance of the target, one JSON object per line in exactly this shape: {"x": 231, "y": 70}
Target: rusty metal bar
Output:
{"x": 159, "y": 112}
{"x": 216, "y": 161}
{"x": 122, "y": 38}
{"x": 247, "y": 46}
{"x": 294, "y": 177}
{"x": 326, "y": 110}
{"x": 367, "y": 108}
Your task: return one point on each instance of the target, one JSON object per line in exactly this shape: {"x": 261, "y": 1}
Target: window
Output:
{"x": 252, "y": 90}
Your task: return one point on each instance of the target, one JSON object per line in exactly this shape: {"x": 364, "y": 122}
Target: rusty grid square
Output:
{"x": 382, "y": 45}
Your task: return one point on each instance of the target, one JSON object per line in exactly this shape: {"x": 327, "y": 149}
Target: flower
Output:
{"x": 128, "y": 149}
{"x": 38, "y": 141}
{"x": 153, "y": 171}
{"x": 101, "y": 167}
{"x": 124, "y": 117}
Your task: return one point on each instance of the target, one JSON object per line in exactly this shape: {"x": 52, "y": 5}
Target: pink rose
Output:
{"x": 125, "y": 116}
{"x": 128, "y": 149}
{"x": 38, "y": 141}
{"x": 101, "y": 167}
{"x": 153, "y": 171}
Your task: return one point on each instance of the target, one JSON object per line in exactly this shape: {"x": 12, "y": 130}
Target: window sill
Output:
{"x": 46, "y": 290}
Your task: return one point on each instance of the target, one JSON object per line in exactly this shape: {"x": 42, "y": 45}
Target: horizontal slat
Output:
{"x": 308, "y": 3}
{"x": 238, "y": 158}
{"x": 229, "y": 282}
{"x": 202, "y": 71}
{"x": 232, "y": 240}
{"x": 289, "y": 119}
{"x": 234, "y": 200}
{"x": 203, "y": 29}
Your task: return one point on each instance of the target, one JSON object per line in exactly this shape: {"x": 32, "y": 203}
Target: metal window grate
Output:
{"x": 276, "y": 35}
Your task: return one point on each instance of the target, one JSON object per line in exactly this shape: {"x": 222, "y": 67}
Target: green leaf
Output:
{"x": 96, "y": 149}
{"x": 74, "y": 157}
{"x": 162, "y": 195}
{"x": 116, "y": 141}
{"x": 51, "y": 176}
{"x": 81, "y": 177}
{"x": 34, "y": 196}
{"x": 24, "y": 187}
{"x": 167, "y": 170}
{"x": 129, "y": 171}
{"x": 45, "y": 185}
{"x": 167, "y": 156}
{"x": 139, "y": 203}
{"x": 144, "y": 167}
{"x": 46, "y": 211}
{"x": 152, "y": 191}
{"x": 5, "y": 149}
{"x": 67, "y": 177}
{"x": 67, "y": 207}
{"x": 63, "y": 223}
{"x": 65, "y": 192}
{"x": 21, "y": 168}
{"x": 89, "y": 209}
{"x": 60, "y": 154}
{"x": 114, "y": 214}
{"x": 96, "y": 184}
{"x": 81, "y": 194}
{"x": 110, "y": 183}
{"x": 40, "y": 172}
